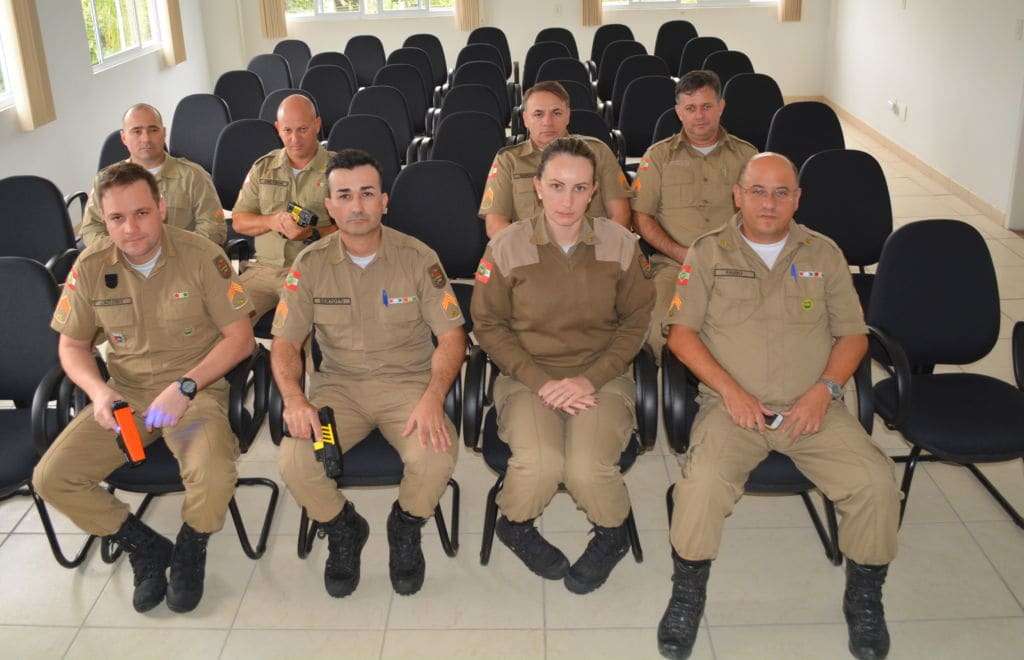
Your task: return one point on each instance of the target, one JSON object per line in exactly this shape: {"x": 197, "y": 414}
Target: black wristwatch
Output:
{"x": 314, "y": 236}
{"x": 188, "y": 388}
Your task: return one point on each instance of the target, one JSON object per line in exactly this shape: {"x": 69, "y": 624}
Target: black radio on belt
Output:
{"x": 326, "y": 445}
{"x": 303, "y": 217}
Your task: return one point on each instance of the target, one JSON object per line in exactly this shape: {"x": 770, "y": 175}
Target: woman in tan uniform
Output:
{"x": 561, "y": 305}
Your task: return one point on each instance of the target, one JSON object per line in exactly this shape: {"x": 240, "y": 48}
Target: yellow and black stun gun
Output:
{"x": 326, "y": 446}
{"x": 303, "y": 217}
{"x": 129, "y": 440}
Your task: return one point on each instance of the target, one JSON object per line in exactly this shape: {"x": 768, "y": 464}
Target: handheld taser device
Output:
{"x": 303, "y": 217}
{"x": 326, "y": 445}
{"x": 129, "y": 440}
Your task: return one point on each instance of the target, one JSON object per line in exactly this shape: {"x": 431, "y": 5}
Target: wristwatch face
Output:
{"x": 834, "y": 389}
{"x": 187, "y": 387}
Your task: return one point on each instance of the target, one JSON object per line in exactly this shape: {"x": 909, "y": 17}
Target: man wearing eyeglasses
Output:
{"x": 683, "y": 187}
{"x": 766, "y": 316}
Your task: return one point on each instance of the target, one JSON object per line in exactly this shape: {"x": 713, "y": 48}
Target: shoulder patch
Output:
{"x": 222, "y": 266}
{"x": 645, "y": 264}
{"x": 437, "y": 277}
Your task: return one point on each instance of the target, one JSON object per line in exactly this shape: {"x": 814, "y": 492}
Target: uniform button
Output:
{"x": 705, "y": 178}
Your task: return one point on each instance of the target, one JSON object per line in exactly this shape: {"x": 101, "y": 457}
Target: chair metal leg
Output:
{"x": 994, "y": 492}
{"x": 812, "y": 511}
{"x": 833, "y": 532}
{"x": 308, "y": 530}
{"x": 110, "y": 551}
{"x": 450, "y": 544}
{"x": 908, "y": 476}
{"x": 268, "y": 517}
{"x": 490, "y": 519}
{"x": 634, "y": 538}
{"x": 670, "y": 503}
{"x": 51, "y": 536}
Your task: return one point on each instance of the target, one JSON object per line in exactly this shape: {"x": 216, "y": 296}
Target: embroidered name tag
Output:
{"x": 273, "y": 182}
{"x": 332, "y": 301}
{"x": 524, "y": 175}
{"x": 110, "y": 302}
{"x": 732, "y": 272}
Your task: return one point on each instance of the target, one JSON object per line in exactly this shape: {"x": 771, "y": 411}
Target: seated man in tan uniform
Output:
{"x": 684, "y": 185}
{"x": 374, "y": 296}
{"x": 177, "y": 321}
{"x": 766, "y": 316}
{"x": 509, "y": 195}
{"x": 186, "y": 188}
{"x": 562, "y": 304}
{"x": 292, "y": 174}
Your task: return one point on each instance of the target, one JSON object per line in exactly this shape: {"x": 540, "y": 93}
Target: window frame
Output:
{"x": 6, "y": 96}
{"x": 643, "y": 5}
{"x": 139, "y": 50}
{"x": 382, "y": 14}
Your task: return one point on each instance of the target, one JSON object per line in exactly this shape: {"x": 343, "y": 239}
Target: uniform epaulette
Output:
{"x": 714, "y": 232}
{"x": 818, "y": 236}
{"x": 99, "y": 247}
{"x": 510, "y": 147}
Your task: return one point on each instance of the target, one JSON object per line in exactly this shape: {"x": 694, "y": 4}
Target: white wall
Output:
{"x": 958, "y": 66}
{"x": 795, "y": 54}
{"x": 90, "y": 106}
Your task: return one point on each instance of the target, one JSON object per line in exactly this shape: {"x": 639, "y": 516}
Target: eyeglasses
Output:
{"x": 761, "y": 193}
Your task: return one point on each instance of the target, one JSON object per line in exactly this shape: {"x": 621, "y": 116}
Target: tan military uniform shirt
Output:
{"x": 374, "y": 322}
{"x": 158, "y": 327}
{"x": 542, "y": 314}
{"x": 192, "y": 203}
{"x": 269, "y": 187}
{"x": 771, "y": 330}
{"x": 689, "y": 193}
{"x": 509, "y": 190}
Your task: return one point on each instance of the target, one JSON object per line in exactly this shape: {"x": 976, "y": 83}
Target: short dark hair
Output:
{"x": 122, "y": 174}
{"x": 349, "y": 159}
{"x": 571, "y": 146}
{"x": 699, "y": 79}
{"x": 549, "y": 86}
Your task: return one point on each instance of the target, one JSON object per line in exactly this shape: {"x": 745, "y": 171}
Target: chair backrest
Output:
{"x": 418, "y": 58}
{"x": 407, "y": 80}
{"x": 591, "y": 124}
{"x": 434, "y": 201}
{"x": 470, "y": 139}
{"x": 28, "y": 347}
{"x": 562, "y": 36}
{"x": 481, "y": 52}
{"x": 910, "y": 305}
{"x": 728, "y": 64}
{"x": 538, "y": 54}
{"x": 845, "y": 197}
{"x": 367, "y": 55}
{"x": 633, "y": 67}
{"x": 389, "y": 104}
{"x": 614, "y": 55}
{"x": 198, "y": 120}
{"x": 580, "y": 96}
{"x": 371, "y": 134}
{"x": 240, "y": 144}
{"x": 242, "y": 91}
{"x": 329, "y": 85}
{"x": 297, "y": 53}
{"x": 696, "y": 51}
{"x": 605, "y": 35}
{"x": 751, "y": 100}
{"x": 672, "y": 38}
{"x": 112, "y": 150}
{"x": 642, "y": 104}
{"x": 430, "y": 44}
{"x": 495, "y": 37}
{"x": 35, "y": 221}
{"x": 800, "y": 130}
{"x": 479, "y": 98}
{"x": 268, "y": 111}
{"x": 563, "y": 68}
{"x": 335, "y": 58}
{"x": 273, "y": 71}
{"x": 668, "y": 124}
{"x": 488, "y": 74}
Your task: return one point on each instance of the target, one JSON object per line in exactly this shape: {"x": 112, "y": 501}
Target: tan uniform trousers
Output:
{"x": 359, "y": 407}
{"x": 666, "y": 272}
{"x": 263, "y": 284}
{"x": 551, "y": 447}
{"x": 840, "y": 460}
{"x": 68, "y": 475}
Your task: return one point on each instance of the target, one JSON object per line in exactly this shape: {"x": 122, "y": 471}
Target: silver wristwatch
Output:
{"x": 834, "y": 388}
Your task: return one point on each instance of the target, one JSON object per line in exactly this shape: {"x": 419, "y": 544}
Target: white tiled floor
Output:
{"x": 956, "y": 589}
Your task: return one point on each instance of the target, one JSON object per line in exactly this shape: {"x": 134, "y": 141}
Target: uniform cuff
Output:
{"x": 848, "y": 329}
{"x": 532, "y": 376}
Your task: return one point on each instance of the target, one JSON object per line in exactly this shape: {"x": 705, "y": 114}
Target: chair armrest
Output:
{"x": 592, "y": 67}
{"x": 453, "y": 402}
{"x": 238, "y": 381}
{"x": 645, "y": 374}
{"x": 46, "y": 391}
{"x": 473, "y": 402}
{"x": 865, "y": 398}
{"x": 898, "y": 359}
{"x": 679, "y": 405}
{"x": 238, "y": 249}
{"x": 60, "y": 265}
{"x": 606, "y": 112}
{"x": 80, "y": 196}
{"x": 515, "y": 72}
{"x": 620, "y": 146}
{"x": 1017, "y": 347}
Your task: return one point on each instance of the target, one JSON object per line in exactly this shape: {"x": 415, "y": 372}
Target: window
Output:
{"x": 118, "y": 30}
{"x": 665, "y": 4}
{"x": 6, "y": 97}
{"x": 361, "y": 8}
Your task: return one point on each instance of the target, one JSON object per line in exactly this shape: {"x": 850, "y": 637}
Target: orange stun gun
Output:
{"x": 129, "y": 439}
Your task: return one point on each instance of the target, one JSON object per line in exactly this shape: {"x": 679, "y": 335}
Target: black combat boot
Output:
{"x": 188, "y": 570}
{"x": 406, "y": 563}
{"x": 346, "y": 535}
{"x": 150, "y": 555}
{"x": 525, "y": 541}
{"x": 607, "y": 546}
{"x": 865, "y": 617}
{"x": 678, "y": 628}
